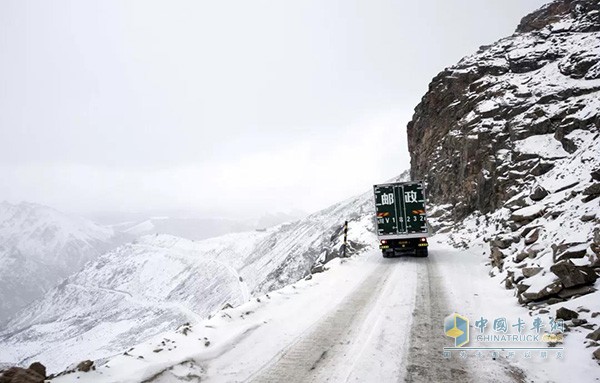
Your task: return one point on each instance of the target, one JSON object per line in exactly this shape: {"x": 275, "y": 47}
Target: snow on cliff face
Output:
{"x": 161, "y": 281}
{"x": 508, "y": 141}
{"x": 39, "y": 246}
{"x": 500, "y": 118}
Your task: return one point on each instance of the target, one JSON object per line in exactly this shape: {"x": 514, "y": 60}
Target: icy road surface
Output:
{"x": 366, "y": 319}
{"x": 387, "y": 329}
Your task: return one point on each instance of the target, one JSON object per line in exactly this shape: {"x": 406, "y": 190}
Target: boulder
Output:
{"x": 555, "y": 300}
{"x": 591, "y": 192}
{"x": 551, "y": 289}
{"x": 578, "y": 322}
{"x": 596, "y": 174}
{"x": 571, "y": 275}
{"x": 594, "y": 335}
{"x": 532, "y": 237}
{"x": 577, "y": 251}
{"x": 538, "y": 193}
{"x": 36, "y": 373}
{"x": 597, "y": 354}
{"x": 593, "y": 189}
{"x": 497, "y": 257}
{"x": 85, "y": 366}
{"x": 39, "y": 368}
{"x": 575, "y": 291}
{"x": 516, "y": 203}
{"x": 587, "y": 217}
{"x": 531, "y": 271}
{"x": 521, "y": 257}
{"x": 504, "y": 241}
{"x": 522, "y": 287}
{"x": 566, "y": 314}
{"x": 595, "y": 246}
{"x": 528, "y": 214}
{"x": 558, "y": 250}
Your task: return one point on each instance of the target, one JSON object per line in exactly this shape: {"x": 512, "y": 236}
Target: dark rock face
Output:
{"x": 538, "y": 194}
{"x": 560, "y": 10}
{"x": 566, "y": 314}
{"x": 468, "y": 135}
{"x": 571, "y": 275}
{"x": 85, "y": 366}
{"x": 36, "y": 373}
{"x": 595, "y": 336}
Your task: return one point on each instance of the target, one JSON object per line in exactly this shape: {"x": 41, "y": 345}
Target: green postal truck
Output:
{"x": 401, "y": 219}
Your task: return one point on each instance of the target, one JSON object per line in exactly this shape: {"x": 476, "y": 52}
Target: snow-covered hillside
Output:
{"x": 365, "y": 319}
{"x": 190, "y": 228}
{"x": 162, "y": 281}
{"x": 39, "y": 246}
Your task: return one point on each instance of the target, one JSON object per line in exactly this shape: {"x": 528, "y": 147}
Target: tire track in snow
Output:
{"x": 304, "y": 360}
{"x": 425, "y": 362}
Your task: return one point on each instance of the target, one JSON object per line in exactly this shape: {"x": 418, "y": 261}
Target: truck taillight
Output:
{"x": 383, "y": 242}
{"x": 423, "y": 239}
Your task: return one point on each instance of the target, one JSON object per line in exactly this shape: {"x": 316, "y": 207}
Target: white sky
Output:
{"x": 220, "y": 106}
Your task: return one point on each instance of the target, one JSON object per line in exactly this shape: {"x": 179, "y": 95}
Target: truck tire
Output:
{"x": 423, "y": 253}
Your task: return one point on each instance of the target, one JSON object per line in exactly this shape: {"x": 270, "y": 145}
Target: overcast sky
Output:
{"x": 220, "y": 106}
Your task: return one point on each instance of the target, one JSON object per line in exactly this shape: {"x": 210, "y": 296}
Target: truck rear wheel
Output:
{"x": 423, "y": 252}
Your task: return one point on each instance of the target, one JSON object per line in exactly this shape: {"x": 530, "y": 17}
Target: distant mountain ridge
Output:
{"x": 39, "y": 246}
{"x": 161, "y": 281}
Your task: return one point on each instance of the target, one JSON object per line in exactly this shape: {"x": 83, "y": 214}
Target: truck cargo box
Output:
{"x": 400, "y": 209}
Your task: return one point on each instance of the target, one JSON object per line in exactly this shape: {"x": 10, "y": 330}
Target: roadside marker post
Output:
{"x": 345, "y": 239}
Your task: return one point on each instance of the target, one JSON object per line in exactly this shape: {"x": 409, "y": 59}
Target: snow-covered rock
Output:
{"x": 509, "y": 138}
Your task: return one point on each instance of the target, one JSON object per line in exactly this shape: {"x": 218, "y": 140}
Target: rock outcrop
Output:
{"x": 493, "y": 122}
{"x": 508, "y": 142}
{"x": 36, "y": 373}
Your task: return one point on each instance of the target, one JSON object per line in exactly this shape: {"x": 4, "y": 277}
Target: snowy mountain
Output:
{"x": 190, "y": 228}
{"x": 508, "y": 142}
{"x": 39, "y": 246}
{"x": 162, "y": 281}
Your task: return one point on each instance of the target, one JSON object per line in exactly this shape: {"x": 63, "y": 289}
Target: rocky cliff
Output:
{"x": 508, "y": 142}
{"x": 466, "y": 135}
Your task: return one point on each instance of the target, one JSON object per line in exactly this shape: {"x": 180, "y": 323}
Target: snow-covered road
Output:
{"x": 387, "y": 328}
{"x": 366, "y": 319}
